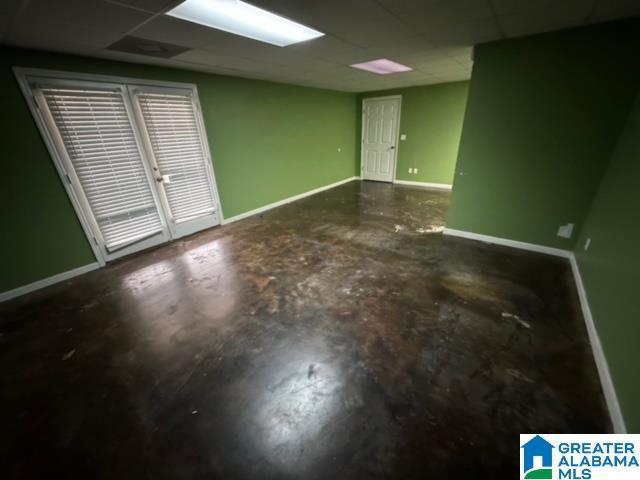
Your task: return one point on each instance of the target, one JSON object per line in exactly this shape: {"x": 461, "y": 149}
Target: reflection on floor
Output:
{"x": 339, "y": 337}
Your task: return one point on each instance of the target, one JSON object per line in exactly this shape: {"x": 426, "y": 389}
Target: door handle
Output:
{"x": 393, "y": 147}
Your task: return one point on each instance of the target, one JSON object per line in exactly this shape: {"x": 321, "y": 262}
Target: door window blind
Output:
{"x": 170, "y": 121}
{"x": 96, "y": 130}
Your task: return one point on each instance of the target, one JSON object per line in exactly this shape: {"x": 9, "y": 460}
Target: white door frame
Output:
{"x": 397, "y": 134}
{"x": 23, "y": 76}
{"x": 211, "y": 220}
{"x": 65, "y": 167}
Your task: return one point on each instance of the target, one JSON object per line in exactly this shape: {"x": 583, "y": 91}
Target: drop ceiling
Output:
{"x": 434, "y": 37}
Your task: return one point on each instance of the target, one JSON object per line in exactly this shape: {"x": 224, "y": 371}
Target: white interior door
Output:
{"x": 90, "y": 127}
{"x": 380, "y": 123}
{"x": 174, "y": 138}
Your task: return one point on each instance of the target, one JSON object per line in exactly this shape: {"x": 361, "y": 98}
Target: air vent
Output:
{"x": 150, "y": 48}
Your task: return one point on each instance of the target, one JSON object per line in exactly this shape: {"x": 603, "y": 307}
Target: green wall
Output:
{"x": 610, "y": 268}
{"x": 431, "y": 117}
{"x": 542, "y": 118}
{"x": 268, "y": 141}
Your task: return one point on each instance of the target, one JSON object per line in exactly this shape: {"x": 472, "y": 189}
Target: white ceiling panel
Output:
{"x": 457, "y": 33}
{"x": 152, "y": 6}
{"x": 453, "y": 77}
{"x": 447, "y": 13}
{"x": 172, "y": 30}
{"x": 435, "y": 37}
{"x": 325, "y": 46}
{"x": 551, "y": 16}
{"x": 89, "y": 15}
{"x": 502, "y": 7}
{"x": 204, "y": 57}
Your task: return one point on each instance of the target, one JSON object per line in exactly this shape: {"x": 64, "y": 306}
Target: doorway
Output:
{"x": 133, "y": 158}
{"x": 380, "y": 128}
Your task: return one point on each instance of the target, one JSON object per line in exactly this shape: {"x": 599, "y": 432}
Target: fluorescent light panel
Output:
{"x": 382, "y": 66}
{"x": 240, "y": 18}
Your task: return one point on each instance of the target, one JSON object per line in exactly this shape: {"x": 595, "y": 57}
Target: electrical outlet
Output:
{"x": 587, "y": 244}
{"x": 565, "y": 231}
{"x": 403, "y": 136}
{"x": 339, "y": 149}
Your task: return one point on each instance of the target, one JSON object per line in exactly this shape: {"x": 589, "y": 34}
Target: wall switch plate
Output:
{"x": 403, "y": 136}
{"x": 415, "y": 170}
{"x": 587, "y": 244}
{"x": 565, "y": 231}
{"x": 339, "y": 149}
{"x": 411, "y": 170}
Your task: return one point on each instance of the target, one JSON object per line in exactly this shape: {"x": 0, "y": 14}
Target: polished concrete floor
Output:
{"x": 339, "y": 337}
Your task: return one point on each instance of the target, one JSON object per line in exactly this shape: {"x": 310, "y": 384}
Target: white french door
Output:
{"x": 134, "y": 159}
{"x": 179, "y": 159}
{"x": 380, "y": 124}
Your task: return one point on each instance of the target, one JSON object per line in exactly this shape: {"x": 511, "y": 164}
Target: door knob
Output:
{"x": 393, "y": 147}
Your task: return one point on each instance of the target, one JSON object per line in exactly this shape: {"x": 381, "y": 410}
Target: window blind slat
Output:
{"x": 97, "y": 134}
{"x": 171, "y": 124}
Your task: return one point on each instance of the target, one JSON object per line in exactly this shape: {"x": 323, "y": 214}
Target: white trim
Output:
{"x": 45, "y": 282}
{"x": 396, "y": 146}
{"x": 558, "y": 252}
{"x": 71, "y": 75}
{"x": 284, "y": 201}
{"x": 49, "y": 141}
{"x": 433, "y": 186}
{"x": 60, "y": 277}
{"x": 25, "y": 78}
{"x": 606, "y": 381}
{"x": 611, "y": 398}
{"x": 178, "y": 230}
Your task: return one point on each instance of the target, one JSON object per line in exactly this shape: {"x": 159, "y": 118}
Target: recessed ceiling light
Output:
{"x": 382, "y": 66}
{"x": 240, "y": 18}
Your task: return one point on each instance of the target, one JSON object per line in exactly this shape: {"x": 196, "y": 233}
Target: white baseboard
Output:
{"x": 608, "y": 388}
{"x": 434, "y": 186}
{"x": 279, "y": 203}
{"x": 617, "y": 420}
{"x": 45, "y": 282}
{"x": 558, "y": 252}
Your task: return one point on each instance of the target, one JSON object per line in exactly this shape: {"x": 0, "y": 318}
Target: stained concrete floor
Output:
{"x": 339, "y": 337}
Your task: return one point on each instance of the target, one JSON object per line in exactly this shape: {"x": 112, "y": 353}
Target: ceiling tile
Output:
{"x": 89, "y": 14}
{"x": 325, "y": 46}
{"x": 372, "y": 33}
{"x": 554, "y": 16}
{"x": 82, "y": 25}
{"x": 519, "y": 6}
{"x": 153, "y": 6}
{"x": 204, "y": 57}
{"x": 435, "y": 37}
{"x": 325, "y": 12}
{"x": 9, "y": 9}
{"x": 447, "y": 14}
{"x": 404, "y": 6}
{"x": 453, "y": 77}
{"x": 403, "y": 45}
{"x": 611, "y": 9}
{"x": 460, "y": 32}
{"x": 172, "y": 30}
